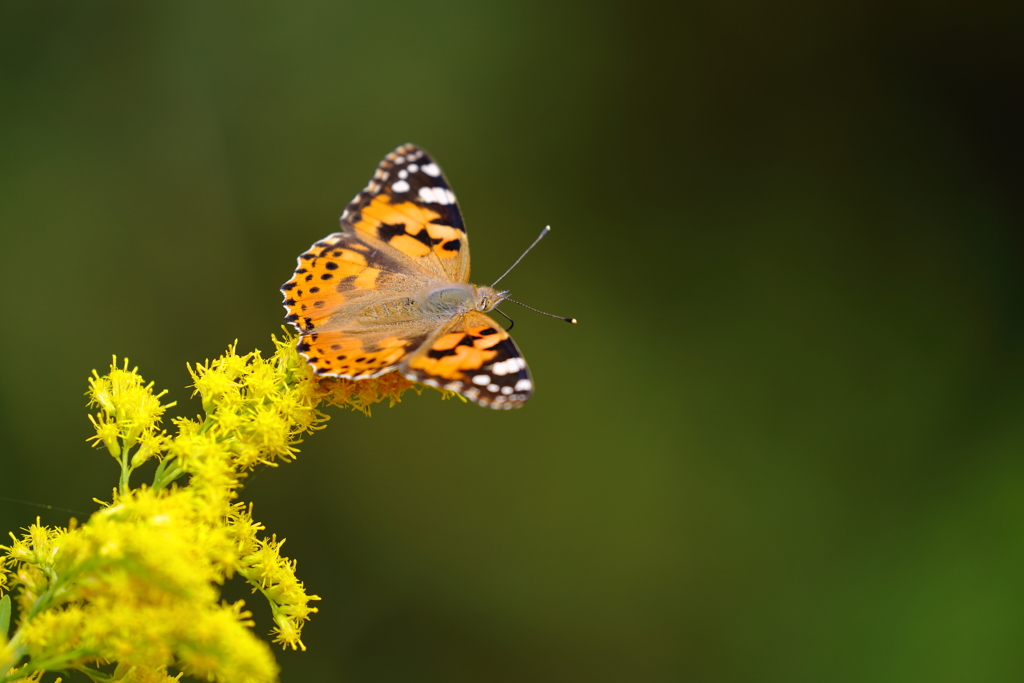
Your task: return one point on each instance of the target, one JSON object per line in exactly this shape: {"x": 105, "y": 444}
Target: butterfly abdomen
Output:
{"x": 395, "y": 310}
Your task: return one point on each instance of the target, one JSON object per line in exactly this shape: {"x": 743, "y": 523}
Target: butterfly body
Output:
{"x": 391, "y": 292}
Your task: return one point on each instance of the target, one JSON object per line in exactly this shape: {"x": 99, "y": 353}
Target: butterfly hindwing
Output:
{"x": 476, "y": 357}
{"x": 409, "y": 206}
{"x": 364, "y": 353}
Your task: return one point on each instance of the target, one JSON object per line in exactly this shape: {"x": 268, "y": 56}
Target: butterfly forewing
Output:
{"x": 409, "y": 206}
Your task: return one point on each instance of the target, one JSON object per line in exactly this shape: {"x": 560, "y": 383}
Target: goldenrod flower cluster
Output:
{"x": 133, "y": 593}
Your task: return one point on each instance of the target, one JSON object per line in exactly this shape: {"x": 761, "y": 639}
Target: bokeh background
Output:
{"x": 784, "y": 443}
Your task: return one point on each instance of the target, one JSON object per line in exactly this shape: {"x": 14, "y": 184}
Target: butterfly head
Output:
{"x": 488, "y": 297}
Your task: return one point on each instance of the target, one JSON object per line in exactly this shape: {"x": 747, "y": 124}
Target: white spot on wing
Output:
{"x": 432, "y": 170}
{"x": 437, "y": 195}
{"x": 481, "y": 379}
{"x": 508, "y": 366}
{"x": 524, "y": 385}
{"x": 400, "y": 186}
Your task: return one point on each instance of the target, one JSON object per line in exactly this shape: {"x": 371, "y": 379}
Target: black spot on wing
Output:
{"x": 386, "y": 231}
{"x": 346, "y": 284}
{"x": 423, "y": 237}
{"x": 450, "y": 215}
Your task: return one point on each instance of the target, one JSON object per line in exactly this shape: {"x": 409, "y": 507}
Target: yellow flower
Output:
{"x": 124, "y": 399}
{"x": 108, "y": 432}
{"x": 274, "y": 575}
{"x": 138, "y": 583}
{"x": 213, "y": 381}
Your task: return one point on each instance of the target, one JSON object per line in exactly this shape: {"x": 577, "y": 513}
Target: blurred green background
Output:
{"x": 784, "y": 443}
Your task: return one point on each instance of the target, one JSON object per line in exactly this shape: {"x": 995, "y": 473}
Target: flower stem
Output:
{"x": 126, "y": 470}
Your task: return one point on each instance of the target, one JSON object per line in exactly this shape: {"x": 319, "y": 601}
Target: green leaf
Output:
{"x": 5, "y": 615}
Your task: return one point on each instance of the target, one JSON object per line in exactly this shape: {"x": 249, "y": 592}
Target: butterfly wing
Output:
{"x": 331, "y": 299}
{"x": 476, "y": 357}
{"x": 409, "y": 207}
{"x": 350, "y": 297}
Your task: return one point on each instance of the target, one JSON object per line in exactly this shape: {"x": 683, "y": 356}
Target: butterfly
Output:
{"x": 391, "y": 292}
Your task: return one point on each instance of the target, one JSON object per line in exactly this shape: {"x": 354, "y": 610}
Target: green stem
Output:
{"x": 165, "y": 475}
{"x": 158, "y": 476}
{"x": 96, "y": 675}
{"x": 207, "y": 423}
{"x": 126, "y": 470}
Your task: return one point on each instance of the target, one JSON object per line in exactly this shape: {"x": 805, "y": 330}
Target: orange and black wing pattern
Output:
{"x": 357, "y": 297}
{"x": 409, "y": 206}
{"x": 338, "y": 282}
{"x": 476, "y": 357}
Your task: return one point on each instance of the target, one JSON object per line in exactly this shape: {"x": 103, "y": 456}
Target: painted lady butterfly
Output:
{"x": 392, "y": 292}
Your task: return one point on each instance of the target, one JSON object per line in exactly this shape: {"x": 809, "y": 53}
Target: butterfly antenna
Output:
{"x": 546, "y": 230}
{"x": 511, "y": 322}
{"x": 550, "y": 315}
